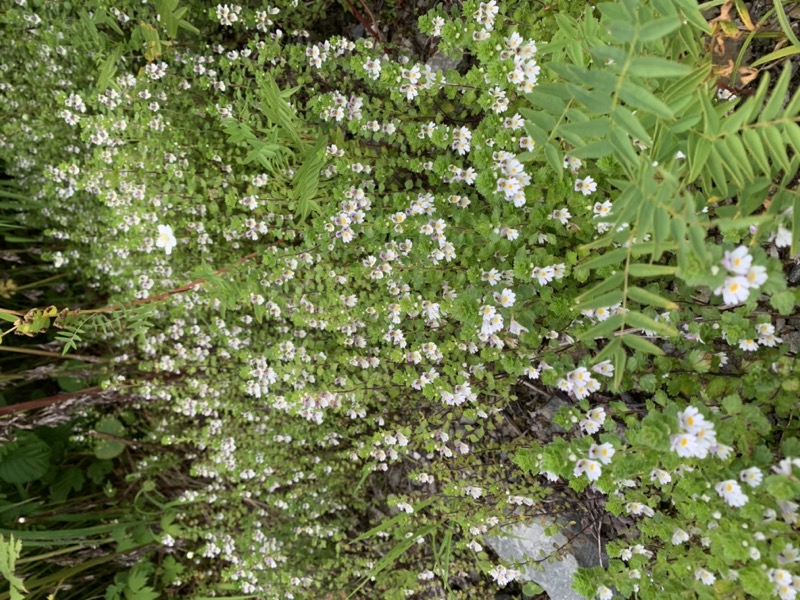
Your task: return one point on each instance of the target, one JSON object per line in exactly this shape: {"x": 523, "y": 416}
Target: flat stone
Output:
{"x": 529, "y": 542}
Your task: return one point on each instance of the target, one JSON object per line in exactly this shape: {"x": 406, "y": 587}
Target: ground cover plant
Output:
{"x": 327, "y": 274}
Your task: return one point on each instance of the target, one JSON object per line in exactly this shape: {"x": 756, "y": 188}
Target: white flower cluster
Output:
{"x": 593, "y": 421}
{"x": 697, "y": 437}
{"x": 460, "y": 394}
{"x": 786, "y": 584}
{"x": 503, "y": 575}
{"x": 526, "y": 71}
{"x": 228, "y": 14}
{"x": 485, "y": 16}
{"x": 513, "y": 178}
{"x": 579, "y": 383}
{"x": 545, "y": 275}
{"x": 342, "y": 107}
{"x": 743, "y": 276}
{"x": 592, "y": 467}
{"x": 353, "y": 210}
{"x": 461, "y": 140}
{"x": 319, "y": 53}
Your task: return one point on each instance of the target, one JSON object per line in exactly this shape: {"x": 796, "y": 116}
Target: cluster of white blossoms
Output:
{"x": 492, "y": 320}
{"x": 786, "y": 584}
{"x": 461, "y": 140}
{"x": 526, "y": 71}
{"x": 579, "y": 382}
{"x": 599, "y": 454}
{"x": 485, "y": 16}
{"x": 593, "y": 421}
{"x": 503, "y": 575}
{"x": 228, "y": 14}
{"x": 513, "y": 178}
{"x": 545, "y": 275}
{"x": 743, "y": 276}
{"x": 697, "y": 437}
{"x": 766, "y": 337}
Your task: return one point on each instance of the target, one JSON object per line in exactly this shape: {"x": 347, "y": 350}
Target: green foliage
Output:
{"x": 333, "y": 285}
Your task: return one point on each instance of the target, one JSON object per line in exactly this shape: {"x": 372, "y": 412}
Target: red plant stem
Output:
{"x": 373, "y": 32}
{"x": 165, "y": 295}
{"x": 42, "y": 402}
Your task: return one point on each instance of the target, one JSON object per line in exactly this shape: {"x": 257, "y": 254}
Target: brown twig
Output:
{"x": 42, "y": 402}
{"x": 375, "y": 33}
{"x": 165, "y": 295}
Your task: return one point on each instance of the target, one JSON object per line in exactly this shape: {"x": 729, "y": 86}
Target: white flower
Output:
{"x": 738, "y": 261}
{"x": 591, "y": 468}
{"x": 752, "y": 476}
{"x": 661, "y": 475}
{"x": 166, "y": 239}
{"x": 735, "y": 290}
{"x": 756, "y": 276}
{"x": 585, "y": 186}
{"x": 506, "y": 298}
{"x": 604, "y": 368}
{"x": 637, "y": 508}
{"x": 603, "y": 452}
{"x": 679, "y": 536}
{"x": 691, "y": 420}
{"x": 730, "y": 491}
{"x": 783, "y": 239}
{"x": 684, "y": 444}
{"x": 707, "y": 577}
{"x": 748, "y": 345}
{"x": 603, "y": 593}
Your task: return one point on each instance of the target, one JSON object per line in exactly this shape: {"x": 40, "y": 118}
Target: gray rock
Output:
{"x": 529, "y": 542}
{"x": 440, "y": 62}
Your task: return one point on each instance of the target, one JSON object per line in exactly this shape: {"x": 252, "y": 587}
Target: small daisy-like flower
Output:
{"x": 748, "y": 345}
{"x": 752, "y": 476}
{"x": 661, "y": 475}
{"x": 706, "y": 577}
{"x": 591, "y": 468}
{"x": 603, "y": 452}
{"x": 506, "y": 298}
{"x": 637, "y": 508}
{"x": 734, "y": 290}
{"x": 679, "y": 536}
{"x": 738, "y": 261}
{"x": 585, "y": 186}
{"x": 603, "y": 593}
{"x": 730, "y": 491}
{"x": 166, "y": 239}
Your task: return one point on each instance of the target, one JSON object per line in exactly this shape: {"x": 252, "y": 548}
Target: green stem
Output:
{"x": 40, "y": 282}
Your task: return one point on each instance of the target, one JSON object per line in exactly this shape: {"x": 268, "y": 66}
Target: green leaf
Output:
{"x": 10, "y": 551}
{"x": 306, "y": 179}
{"x": 641, "y": 321}
{"x": 603, "y": 328}
{"x": 784, "y": 302}
{"x": 532, "y": 589}
{"x": 659, "y": 28}
{"x": 639, "y": 97}
{"x": 554, "y": 159}
{"x": 648, "y": 298}
{"x": 642, "y": 345}
{"x": 27, "y": 459}
{"x": 783, "y": 488}
{"x": 654, "y": 66}
{"x": 627, "y": 121}
{"x": 104, "y": 448}
{"x": 644, "y": 270}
